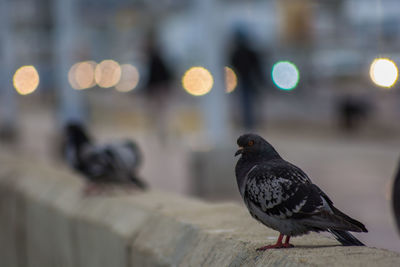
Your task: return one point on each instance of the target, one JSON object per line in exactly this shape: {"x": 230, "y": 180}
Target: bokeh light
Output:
{"x": 230, "y": 80}
{"x": 81, "y": 75}
{"x": 285, "y": 75}
{"x": 383, "y": 72}
{"x": 71, "y": 76}
{"x": 26, "y": 80}
{"x": 129, "y": 78}
{"x": 107, "y": 73}
{"x": 84, "y": 74}
{"x": 197, "y": 81}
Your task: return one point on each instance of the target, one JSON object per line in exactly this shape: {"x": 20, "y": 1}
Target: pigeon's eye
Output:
{"x": 250, "y": 143}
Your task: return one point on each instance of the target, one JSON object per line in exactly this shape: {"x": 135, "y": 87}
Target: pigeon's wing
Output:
{"x": 287, "y": 194}
{"x": 283, "y": 192}
{"x": 123, "y": 161}
{"x": 96, "y": 164}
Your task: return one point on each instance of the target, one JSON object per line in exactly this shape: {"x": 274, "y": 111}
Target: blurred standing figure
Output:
{"x": 247, "y": 65}
{"x": 352, "y": 112}
{"x": 396, "y": 198}
{"x": 158, "y": 87}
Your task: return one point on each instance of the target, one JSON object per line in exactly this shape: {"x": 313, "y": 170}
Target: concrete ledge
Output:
{"x": 45, "y": 221}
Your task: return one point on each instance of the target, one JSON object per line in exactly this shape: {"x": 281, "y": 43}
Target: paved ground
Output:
{"x": 356, "y": 171}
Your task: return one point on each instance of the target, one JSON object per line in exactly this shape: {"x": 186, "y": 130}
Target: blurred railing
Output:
{"x": 46, "y": 221}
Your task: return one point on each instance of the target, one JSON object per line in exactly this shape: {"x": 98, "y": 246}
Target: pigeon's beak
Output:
{"x": 240, "y": 150}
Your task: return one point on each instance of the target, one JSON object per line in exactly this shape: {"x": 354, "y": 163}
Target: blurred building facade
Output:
{"x": 331, "y": 42}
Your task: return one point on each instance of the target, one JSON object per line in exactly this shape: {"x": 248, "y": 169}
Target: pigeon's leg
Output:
{"x": 278, "y": 244}
{"x": 94, "y": 189}
{"x": 90, "y": 189}
{"x": 287, "y": 244}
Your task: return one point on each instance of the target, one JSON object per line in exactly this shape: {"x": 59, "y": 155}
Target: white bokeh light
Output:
{"x": 285, "y": 75}
{"x": 383, "y": 72}
{"x": 129, "y": 78}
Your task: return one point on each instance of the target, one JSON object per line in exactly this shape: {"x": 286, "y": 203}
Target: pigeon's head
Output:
{"x": 76, "y": 132}
{"x": 255, "y": 145}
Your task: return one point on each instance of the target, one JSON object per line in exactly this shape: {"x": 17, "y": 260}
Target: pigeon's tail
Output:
{"x": 345, "y": 238}
{"x": 139, "y": 183}
{"x": 358, "y": 225}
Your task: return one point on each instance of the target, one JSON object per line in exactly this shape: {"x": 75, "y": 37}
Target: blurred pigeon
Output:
{"x": 396, "y": 198}
{"x": 282, "y": 197}
{"x": 114, "y": 163}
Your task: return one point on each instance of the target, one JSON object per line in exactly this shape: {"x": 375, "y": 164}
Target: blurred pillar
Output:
{"x": 71, "y": 102}
{"x": 7, "y": 56}
{"x": 212, "y": 170}
{"x": 297, "y": 40}
{"x": 211, "y": 55}
{"x": 337, "y": 12}
{"x": 296, "y": 20}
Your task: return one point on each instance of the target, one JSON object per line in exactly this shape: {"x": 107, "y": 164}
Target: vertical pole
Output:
{"x": 215, "y": 108}
{"x": 7, "y": 56}
{"x": 207, "y": 181}
{"x": 71, "y": 101}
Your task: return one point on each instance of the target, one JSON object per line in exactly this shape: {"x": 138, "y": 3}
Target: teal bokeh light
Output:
{"x": 285, "y": 75}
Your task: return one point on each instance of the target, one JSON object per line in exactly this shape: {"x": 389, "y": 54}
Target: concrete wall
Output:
{"x": 46, "y": 221}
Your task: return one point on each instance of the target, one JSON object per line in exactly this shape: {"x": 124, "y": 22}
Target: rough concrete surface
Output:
{"x": 46, "y": 221}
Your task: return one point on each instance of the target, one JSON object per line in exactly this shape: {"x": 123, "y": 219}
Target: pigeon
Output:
{"x": 281, "y": 196}
{"x": 113, "y": 163}
{"x": 396, "y": 198}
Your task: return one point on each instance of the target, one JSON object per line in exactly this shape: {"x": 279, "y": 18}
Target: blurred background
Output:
{"x": 184, "y": 79}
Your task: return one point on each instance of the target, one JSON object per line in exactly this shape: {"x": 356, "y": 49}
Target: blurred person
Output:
{"x": 8, "y": 133}
{"x": 247, "y": 65}
{"x": 396, "y": 198}
{"x": 107, "y": 164}
{"x": 351, "y": 112}
{"x": 158, "y": 87}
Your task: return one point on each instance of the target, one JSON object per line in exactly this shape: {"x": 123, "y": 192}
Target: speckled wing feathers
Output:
{"x": 283, "y": 192}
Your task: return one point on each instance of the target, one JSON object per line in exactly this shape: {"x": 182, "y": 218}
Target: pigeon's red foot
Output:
{"x": 92, "y": 189}
{"x": 278, "y": 244}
